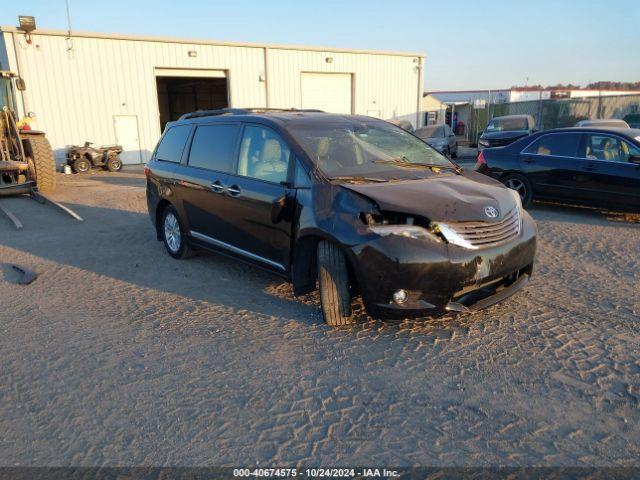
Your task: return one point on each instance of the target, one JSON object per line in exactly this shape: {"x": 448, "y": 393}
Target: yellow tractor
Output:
{"x": 27, "y": 165}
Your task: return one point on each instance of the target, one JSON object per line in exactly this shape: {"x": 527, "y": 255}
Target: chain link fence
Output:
{"x": 554, "y": 113}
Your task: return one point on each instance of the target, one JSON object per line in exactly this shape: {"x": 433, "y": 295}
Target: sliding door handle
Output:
{"x": 234, "y": 190}
{"x": 217, "y": 187}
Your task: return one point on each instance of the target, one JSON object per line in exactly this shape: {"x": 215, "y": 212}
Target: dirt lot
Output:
{"x": 119, "y": 355}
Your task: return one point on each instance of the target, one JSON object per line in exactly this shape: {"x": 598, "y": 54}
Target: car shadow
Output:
{"x": 122, "y": 245}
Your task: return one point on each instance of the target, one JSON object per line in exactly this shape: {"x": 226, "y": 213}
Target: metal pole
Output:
{"x": 266, "y": 77}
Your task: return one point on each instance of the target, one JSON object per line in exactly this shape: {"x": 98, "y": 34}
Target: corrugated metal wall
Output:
{"x": 382, "y": 83}
{"x": 76, "y": 86}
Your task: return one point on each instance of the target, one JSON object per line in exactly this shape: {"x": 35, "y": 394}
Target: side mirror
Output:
{"x": 20, "y": 85}
{"x": 635, "y": 159}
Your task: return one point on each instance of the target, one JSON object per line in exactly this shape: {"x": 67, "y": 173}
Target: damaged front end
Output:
{"x": 408, "y": 265}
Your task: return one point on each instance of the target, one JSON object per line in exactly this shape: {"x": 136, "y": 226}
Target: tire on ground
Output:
{"x": 39, "y": 150}
{"x": 114, "y": 164}
{"x": 81, "y": 165}
{"x": 333, "y": 278}
{"x": 184, "y": 251}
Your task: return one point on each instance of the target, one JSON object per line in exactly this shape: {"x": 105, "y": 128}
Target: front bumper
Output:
{"x": 438, "y": 276}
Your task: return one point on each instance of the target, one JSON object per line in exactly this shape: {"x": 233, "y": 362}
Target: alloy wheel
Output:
{"x": 172, "y": 232}
{"x": 518, "y": 186}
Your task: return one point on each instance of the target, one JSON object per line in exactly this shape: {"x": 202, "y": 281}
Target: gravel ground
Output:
{"x": 119, "y": 355}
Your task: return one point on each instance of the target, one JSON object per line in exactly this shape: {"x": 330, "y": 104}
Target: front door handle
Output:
{"x": 528, "y": 160}
{"x": 234, "y": 190}
{"x": 217, "y": 187}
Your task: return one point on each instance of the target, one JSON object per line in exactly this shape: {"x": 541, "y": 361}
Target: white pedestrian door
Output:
{"x": 126, "y": 127}
{"x": 330, "y": 92}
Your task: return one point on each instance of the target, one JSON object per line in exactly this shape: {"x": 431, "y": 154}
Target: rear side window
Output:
{"x": 562, "y": 145}
{"x": 172, "y": 144}
{"x": 213, "y": 147}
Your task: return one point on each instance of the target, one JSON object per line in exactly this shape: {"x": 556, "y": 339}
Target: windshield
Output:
{"x": 431, "y": 132}
{"x": 6, "y": 93}
{"x": 368, "y": 150}
{"x": 507, "y": 124}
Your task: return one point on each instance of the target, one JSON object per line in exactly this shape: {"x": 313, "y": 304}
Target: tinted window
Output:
{"x": 609, "y": 148}
{"x": 172, "y": 143}
{"x": 564, "y": 145}
{"x": 213, "y": 147}
{"x": 263, "y": 155}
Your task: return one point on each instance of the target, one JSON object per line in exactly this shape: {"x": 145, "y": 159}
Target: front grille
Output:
{"x": 488, "y": 234}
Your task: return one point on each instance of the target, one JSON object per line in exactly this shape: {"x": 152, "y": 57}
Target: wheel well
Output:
{"x": 159, "y": 210}
{"x": 305, "y": 265}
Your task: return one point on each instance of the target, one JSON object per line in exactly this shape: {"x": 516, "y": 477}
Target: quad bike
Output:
{"x": 27, "y": 164}
{"x": 82, "y": 159}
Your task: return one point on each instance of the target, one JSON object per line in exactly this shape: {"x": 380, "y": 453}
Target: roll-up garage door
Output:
{"x": 330, "y": 92}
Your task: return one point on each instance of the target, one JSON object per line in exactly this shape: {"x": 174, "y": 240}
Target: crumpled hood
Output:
{"x": 441, "y": 197}
{"x": 505, "y": 135}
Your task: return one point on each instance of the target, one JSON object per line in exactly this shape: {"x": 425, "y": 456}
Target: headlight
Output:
{"x": 409, "y": 231}
{"x": 483, "y": 142}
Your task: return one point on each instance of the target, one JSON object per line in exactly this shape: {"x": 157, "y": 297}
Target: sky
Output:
{"x": 468, "y": 44}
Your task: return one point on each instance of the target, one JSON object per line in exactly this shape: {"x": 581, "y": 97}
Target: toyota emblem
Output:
{"x": 491, "y": 212}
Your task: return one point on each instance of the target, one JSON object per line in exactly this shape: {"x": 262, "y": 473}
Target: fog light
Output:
{"x": 400, "y": 296}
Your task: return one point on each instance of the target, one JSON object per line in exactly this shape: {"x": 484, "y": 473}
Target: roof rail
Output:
{"x": 242, "y": 111}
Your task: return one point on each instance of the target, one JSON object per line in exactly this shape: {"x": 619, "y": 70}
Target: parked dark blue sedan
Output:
{"x": 590, "y": 166}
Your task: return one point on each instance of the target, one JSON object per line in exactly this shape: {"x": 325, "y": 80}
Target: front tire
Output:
{"x": 114, "y": 164}
{"x": 173, "y": 234}
{"x": 520, "y": 184}
{"x": 81, "y": 165}
{"x": 335, "y": 296}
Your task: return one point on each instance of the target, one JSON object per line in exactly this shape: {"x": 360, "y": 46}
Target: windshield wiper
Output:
{"x": 404, "y": 162}
{"x": 356, "y": 178}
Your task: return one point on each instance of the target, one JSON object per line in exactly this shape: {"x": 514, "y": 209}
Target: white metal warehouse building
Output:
{"x": 109, "y": 89}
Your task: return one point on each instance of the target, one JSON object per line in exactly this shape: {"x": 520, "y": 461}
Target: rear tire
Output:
{"x": 335, "y": 297}
{"x": 522, "y": 185}
{"x": 40, "y": 152}
{"x": 173, "y": 234}
{"x": 114, "y": 164}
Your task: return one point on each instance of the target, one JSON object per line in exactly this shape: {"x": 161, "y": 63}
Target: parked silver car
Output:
{"x": 440, "y": 137}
